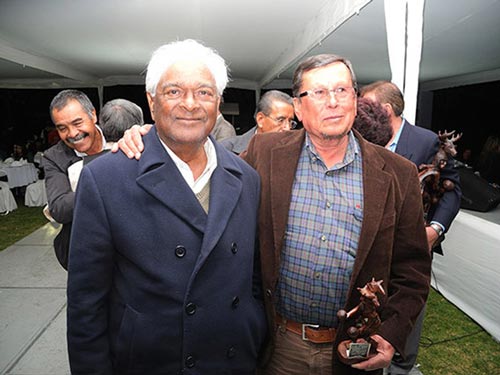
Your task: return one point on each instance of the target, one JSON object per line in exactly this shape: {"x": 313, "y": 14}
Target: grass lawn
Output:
{"x": 451, "y": 343}
{"x": 19, "y": 223}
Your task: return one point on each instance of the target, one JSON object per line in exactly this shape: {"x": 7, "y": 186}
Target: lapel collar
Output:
{"x": 284, "y": 159}
{"x": 225, "y": 191}
{"x": 158, "y": 175}
{"x": 376, "y": 184}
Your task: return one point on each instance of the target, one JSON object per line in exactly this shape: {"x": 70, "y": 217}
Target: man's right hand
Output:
{"x": 131, "y": 142}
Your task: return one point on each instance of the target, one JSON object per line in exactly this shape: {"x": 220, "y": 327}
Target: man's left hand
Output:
{"x": 382, "y": 359}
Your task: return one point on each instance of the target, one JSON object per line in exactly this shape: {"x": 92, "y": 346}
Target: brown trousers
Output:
{"x": 294, "y": 356}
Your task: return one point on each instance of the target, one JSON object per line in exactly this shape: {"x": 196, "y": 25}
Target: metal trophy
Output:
{"x": 366, "y": 322}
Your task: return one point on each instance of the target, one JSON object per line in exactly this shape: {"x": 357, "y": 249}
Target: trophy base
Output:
{"x": 354, "y": 352}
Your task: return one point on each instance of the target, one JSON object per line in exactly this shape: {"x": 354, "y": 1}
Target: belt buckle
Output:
{"x": 304, "y": 326}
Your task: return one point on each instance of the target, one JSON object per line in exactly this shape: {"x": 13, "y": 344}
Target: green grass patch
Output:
{"x": 453, "y": 344}
{"x": 19, "y": 223}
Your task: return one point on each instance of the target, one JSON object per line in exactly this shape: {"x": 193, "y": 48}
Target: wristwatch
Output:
{"x": 437, "y": 228}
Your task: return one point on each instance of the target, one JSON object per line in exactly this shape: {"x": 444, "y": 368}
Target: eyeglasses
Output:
{"x": 323, "y": 94}
{"x": 204, "y": 94}
{"x": 282, "y": 121}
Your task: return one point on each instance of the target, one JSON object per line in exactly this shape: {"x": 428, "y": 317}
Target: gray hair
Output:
{"x": 62, "y": 99}
{"x": 319, "y": 61}
{"x": 117, "y": 116}
{"x": 266, "y": 101}
{"x": 188, "y": 49}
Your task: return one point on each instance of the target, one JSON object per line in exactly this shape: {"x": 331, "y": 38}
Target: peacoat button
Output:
{"x": 234, "y": 248}
{"x": 236, "y": 302}
{"x": 231, "y": 352}
{"x": 190, "y": 361}
{"x": 180, "y": 251}
{"x": 190, "y": 308}
{"x": 269, "y": 294}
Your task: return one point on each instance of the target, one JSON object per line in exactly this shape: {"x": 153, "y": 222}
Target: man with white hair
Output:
{"x": 162, "y": 271}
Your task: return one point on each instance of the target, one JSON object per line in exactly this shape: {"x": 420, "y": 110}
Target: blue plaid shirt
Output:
{"x": 322, "y": 234}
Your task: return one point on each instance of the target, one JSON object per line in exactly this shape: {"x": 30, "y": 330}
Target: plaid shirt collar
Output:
{"x": 351, "y": 152}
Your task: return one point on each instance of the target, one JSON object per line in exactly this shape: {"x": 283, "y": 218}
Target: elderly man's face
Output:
{"x": 76, "y": 128}
{"x": 185, "y": 104}
{"x": 278, "y": 119}
{"x": 331, "y": 118}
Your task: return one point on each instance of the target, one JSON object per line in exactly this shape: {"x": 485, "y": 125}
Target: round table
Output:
{"x": 20, "y": 175}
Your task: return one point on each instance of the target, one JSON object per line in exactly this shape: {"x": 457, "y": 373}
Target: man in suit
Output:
{"x": 274, "y": 113}
{"x": 75, "y": 120}
{"x": 335, "y": 212}
{"x": 163, "y": 270}
{"x": 418, "y": 145}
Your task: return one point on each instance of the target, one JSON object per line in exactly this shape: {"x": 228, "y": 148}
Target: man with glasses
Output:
{"x": 335, "y": 212}
{"x": 274, "y": 113}
{"x": 161, "y": 271}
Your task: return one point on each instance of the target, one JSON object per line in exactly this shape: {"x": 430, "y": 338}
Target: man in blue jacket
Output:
{"x": 163, "y": 266}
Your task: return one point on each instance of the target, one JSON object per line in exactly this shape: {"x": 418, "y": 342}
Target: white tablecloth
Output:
{"x": 20, "y": 175}
{"x": 36, "y": 195}
{"x": 7, "y": 201}
{"x": 468, "y": 274}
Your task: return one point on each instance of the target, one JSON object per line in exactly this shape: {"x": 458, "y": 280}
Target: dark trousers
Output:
{"x": 400, "y": 366}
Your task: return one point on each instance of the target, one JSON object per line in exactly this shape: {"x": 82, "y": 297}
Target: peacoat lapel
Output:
{"x": 225, "y": 192}
{"x": 159, "y": 177}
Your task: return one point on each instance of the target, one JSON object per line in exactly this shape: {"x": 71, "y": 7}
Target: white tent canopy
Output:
{"x": 96, "y": 43}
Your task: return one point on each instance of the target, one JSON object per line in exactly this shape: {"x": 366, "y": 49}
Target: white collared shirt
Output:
{"x": 82, "y": 154}
{"x": 198, "y": 184}
{"x": 75, "y": 169}
{"x": 394, "y": 144}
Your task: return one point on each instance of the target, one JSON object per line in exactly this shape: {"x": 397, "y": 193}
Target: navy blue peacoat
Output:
{"x": 155, "y": 285}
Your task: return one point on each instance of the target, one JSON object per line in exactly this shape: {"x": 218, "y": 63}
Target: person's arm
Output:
{"x": 449, "y": 204}
{"x": 90, "y": 275}
{"x": 131, "y": 143}
{"x": 60, "y": 196}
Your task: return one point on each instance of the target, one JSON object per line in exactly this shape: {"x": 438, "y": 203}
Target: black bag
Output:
{"x": 477, "y": 193}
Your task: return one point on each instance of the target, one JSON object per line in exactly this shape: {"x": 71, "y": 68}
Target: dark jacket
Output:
{"x": 155, "y": 286}
{"x": 420, "y": 145}
{"x": 239, "y": 143}
{"x": 56, "y": 161}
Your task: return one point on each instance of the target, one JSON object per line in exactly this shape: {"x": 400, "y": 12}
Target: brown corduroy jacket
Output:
{"x": 392, "y": 245}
